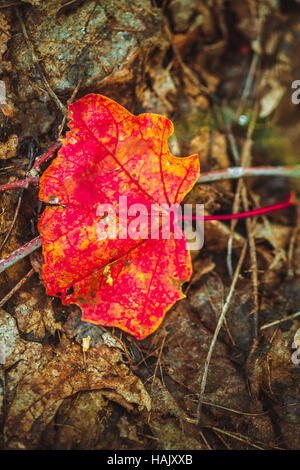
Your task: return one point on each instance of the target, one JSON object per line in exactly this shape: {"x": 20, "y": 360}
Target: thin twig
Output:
{"x": 75, "y": 91}
{"x": 12, "y": 223}
{"x": 20, "y": 253}
{"x": 239, "y": 412}
{"x": 14, "y": 257}
{"x": 205, "y": 441}
{"x": 158, "y": 359}
{"x": 17, "y": 287}
{"x": 222, "y": 439}
{"x": 274, "y": 323}
{"x": 216, "y": 310}
{"x": 25, "y": 183}
{"x": 248, "y": 84}
{"x": 232, "y": 143}
{"x": 30, "y": 156}
{"x": 46, "y": 156}
{"x": 237, "y": 172}
{"x": 33, "y": 177}
{"x": 253, "y": 259}
{"x": 209, "y": 177}
{"x": 236, "y": 436}
{"x": 244, "y": 159}
{"x": 215, "y": 336}
{"x": 241, "y": 215}
{"x": 241, "y": 189}
{"x": 292, "y": 244}
{"x": 235, "y": 209}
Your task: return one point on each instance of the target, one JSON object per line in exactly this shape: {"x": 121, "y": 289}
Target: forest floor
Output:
{"x": 222, "y": 72}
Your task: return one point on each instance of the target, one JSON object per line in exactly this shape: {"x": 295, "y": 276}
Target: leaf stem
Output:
{"x": 240, "y": 215}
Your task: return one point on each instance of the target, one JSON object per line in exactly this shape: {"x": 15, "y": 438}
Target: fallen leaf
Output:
{"x": 271, "y": 99}
{"x": 8, "y": 149}
{"x": 4, "y": 34}
{"x": 19, "y": 358}
{"x": 277, "y": 235}
{"x": 39, "y": 394}
{"x": 185, "y": 352}
{"x": 168, "y": 420}
{"x": 16, "y": 350}
{"x": 34, "y": 314}
{"x": 108, "y": 153}
{"x": 81, "y": 420}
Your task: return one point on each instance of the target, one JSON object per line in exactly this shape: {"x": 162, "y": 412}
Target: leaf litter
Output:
{"x": 144, "y": 394}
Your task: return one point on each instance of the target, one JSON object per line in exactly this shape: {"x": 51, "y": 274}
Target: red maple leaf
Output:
{"x": 108, "y": 153}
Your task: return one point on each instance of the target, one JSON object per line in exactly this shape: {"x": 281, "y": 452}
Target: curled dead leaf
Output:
{"x": 39, "y": 395}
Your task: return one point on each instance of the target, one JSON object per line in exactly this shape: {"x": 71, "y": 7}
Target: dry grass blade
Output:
{"x": 292, "y": 244}
{"x": 277, "y": 322}
{"x": 17, "y": 287}
{"x": 238, "y": 437}
{"x": 12, "y": 223}
{"x": 239, "y": 412}
{"x": 215, "y": 336}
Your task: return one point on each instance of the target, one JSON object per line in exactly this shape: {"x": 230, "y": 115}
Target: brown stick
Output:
{"x": 17, "y": 287}
{"x": 12, "y": 223}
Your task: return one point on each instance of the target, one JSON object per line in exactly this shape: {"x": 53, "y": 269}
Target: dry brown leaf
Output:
{"x": 20, "y": 357}
{"x": 8, "y": 109}
{"x": 277, "y": 235}
{"x": 81, "y": 423}
{"x": 200, "y": 145}
{"x": 8, "y": 149}
{"x": 202, "y": 267}
{"x": 272, "y": 97}
{"x": 4, "y": 34}
{"x": 34, "y": 313}
{"x": 272, "y": 368}
{"x": 168, "y": 421}
{"x": 187, "y": 344}
{"x": 16, "y": 349}
{"x": 39, "y": 395}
